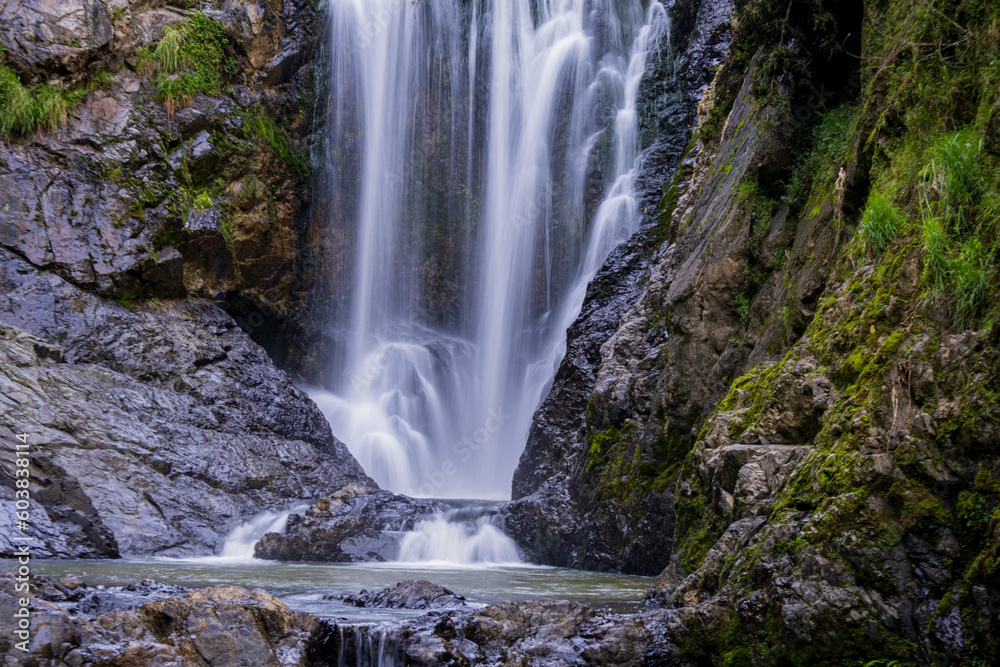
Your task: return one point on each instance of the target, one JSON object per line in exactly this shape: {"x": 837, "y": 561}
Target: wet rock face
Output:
{"x": 545, "y": 517}
{"x": 358, "y": 523}
{"x": 409, "y": 594}
{"x": 150, "y": 623}
{"x": 154, "y": 430}
{"x": 134, "y": 199}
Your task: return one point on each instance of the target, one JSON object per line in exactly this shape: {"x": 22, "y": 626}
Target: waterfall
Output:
{"x": 240, "y": 542}
{"x": 470, "y": 535}
{"x": 466, "y": 142}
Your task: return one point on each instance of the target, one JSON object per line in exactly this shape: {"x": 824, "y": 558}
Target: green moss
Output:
{"x": 129, "y": 296}
{"x": 752, "y": 393}
{"x": 599, "y": 444}
{"x": 191, "y": 58}
{"x": 202, "y": 201}
{"x": 622, "y": 469}
{"x": 260, "y": 128}
{"x": 229, "y": 234}
{"x": 698, "y": 527}
{"x": 892, "y": 343}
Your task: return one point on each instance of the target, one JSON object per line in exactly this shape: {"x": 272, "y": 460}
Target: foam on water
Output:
{"x": 240, "y": 542}
{"x": 459, "y": 537}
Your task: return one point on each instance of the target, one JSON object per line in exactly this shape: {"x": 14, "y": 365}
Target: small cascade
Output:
{"x": 357, "y": 646}
{"x": 240, "y": 542}
{"x": 468, "y": 535}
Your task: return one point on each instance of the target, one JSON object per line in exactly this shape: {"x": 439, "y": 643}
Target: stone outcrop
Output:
{"x": 561, "y": 513}
{"x": 134, "y": 228}
{"x": 357, "y": 523}
{"x": 155, "y": 429}
{"x": 409, "y": 594}
{"x": 815, "y": 404}
{"x": 526, "y": 633}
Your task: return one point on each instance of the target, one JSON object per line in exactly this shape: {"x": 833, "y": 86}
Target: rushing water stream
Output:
{"x": 479, "y": 170}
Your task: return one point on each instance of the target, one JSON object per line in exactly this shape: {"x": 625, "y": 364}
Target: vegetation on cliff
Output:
{"x": 180, "y": 136}
{"x": 899, "y": 494}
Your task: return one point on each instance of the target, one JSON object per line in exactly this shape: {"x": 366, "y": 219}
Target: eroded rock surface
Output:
{"x": 163, "y": 625}
{"x": 135, "y": 198}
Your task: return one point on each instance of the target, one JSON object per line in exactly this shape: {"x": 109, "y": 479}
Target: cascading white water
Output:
{"x": 240, "y": 542}
{"x": 464, "y": 536}
{"x": 366, "y": 646}
{"x": 466, "y": 138}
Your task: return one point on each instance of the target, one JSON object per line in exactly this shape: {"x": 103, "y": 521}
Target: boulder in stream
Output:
{"x": 409, "y": 594}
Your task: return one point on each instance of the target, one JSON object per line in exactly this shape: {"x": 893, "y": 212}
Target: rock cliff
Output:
{"x": 780, "y": 396}
{"x": 154, "y": 429}
{"x": 806, "y": 375}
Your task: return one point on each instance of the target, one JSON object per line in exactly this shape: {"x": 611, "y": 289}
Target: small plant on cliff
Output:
{"x": 879, "y": 224}
{"x": 190, "y": 59}
{"x": 262, "y": 128}
{"x": 202, "y": 201}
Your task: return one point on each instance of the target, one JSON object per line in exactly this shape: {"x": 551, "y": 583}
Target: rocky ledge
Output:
{"x": 74, "y": 625}
{"x": 410, "y": 594}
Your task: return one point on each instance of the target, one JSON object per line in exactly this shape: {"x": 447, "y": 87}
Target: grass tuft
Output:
{"x": 25, "y": 110}
{"x": 879, "y": 224}
{"x": 958, "y": 208}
